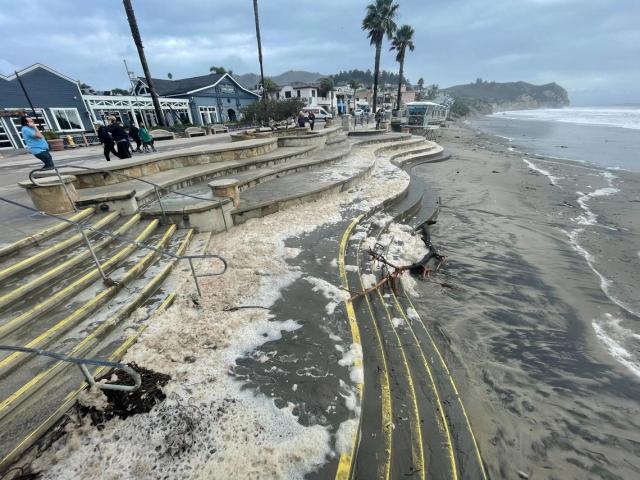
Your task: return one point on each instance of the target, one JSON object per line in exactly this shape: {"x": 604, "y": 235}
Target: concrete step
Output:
{"x": 39, "y": 237}
{"x": 9, "y": 324}
{"x": 183, "y": 177}
{"x": 56, "y": 270}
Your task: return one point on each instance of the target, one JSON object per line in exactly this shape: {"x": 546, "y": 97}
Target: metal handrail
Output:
{"x": 81, "y": 227}
{"x": 82, "y": 364}
{"x": 157, "y": 188}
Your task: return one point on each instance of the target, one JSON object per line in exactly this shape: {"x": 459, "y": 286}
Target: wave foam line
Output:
{"x": 612, "y": 335}
{"x": 552, "y": 178}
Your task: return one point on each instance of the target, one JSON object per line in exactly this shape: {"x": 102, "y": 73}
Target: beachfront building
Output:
{"x": 212, "y": 98}
{"x": 57, "y": 104}
{"x": 308, "y": 93}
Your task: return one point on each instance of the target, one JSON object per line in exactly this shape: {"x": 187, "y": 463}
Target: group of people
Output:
{"x": 302, "y": 119}
{"x": 113, "y": 137}
{"x": 116, "y": 140}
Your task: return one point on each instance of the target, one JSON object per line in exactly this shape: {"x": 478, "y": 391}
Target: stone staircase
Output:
{"x": 53, "y": 296}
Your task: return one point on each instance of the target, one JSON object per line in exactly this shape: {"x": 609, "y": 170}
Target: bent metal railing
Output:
{"x": 82, "y": 364}
{"x": 156, "y": 188}
{"x": 81, "y": 228}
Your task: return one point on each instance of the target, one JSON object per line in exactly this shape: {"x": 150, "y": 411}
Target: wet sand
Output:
{"x": 541, "y": 325}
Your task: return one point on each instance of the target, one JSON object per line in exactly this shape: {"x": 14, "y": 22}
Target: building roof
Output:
{"x": 36, "y": 66}
{"x": 167, "y": 88}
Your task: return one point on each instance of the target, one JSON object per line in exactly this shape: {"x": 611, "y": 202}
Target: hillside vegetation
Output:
{"x": 488, "y": 97}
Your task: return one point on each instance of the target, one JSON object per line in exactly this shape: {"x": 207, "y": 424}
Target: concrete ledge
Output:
{"x": 152, "y": 164}
{"x": 241, "y": 215}
{"x": 123, "y": 201}
{"x": 50, "y": 196}
{"x": 203, "y": 216}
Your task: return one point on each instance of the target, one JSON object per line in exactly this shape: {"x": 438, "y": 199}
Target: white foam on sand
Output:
{"x": 344, "y": 436}
{"x": 605, "y": 284}
{"x": 210, "y": 426}
{"x": 329, "y": 291}
{"x": 618, "y": 340}
{"x": 590, "y": 218}
{"x": 552, "y": 178}
{"x": 368, "y": 280}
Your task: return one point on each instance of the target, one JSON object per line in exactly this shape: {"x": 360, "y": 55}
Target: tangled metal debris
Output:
{"x": 390, "y": 272}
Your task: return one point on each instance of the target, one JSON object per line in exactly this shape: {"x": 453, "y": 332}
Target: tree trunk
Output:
{"x": 400, "y": 80}
{"x": 376, "y": 74}
{"x": 257, "y": 20}
{"x": 131, "y": 17}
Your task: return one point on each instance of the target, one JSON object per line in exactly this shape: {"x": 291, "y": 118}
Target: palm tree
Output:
{"x": 379, "y": 21}
{"x": 135, "y": 33}
{"x": 257, "y": 20}
{"x": 402, "y": 40}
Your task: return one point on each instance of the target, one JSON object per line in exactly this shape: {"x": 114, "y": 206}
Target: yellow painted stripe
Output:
{"x": 42, "y": 340}
{"x": 455, "y": 389}
{"x": 52, "y": 273}
{"x": 52, "y": 250}
{"x": 443, "y": 421}
{"x": 41, "y": 378}
{"x": 70, "y": 399}
{"x": 46, "y": 233}
{"x": 417, "y": 446}
{"x": 385, "y": 394}
{"x": 76, "y": 286}
{"x": 345, "y": 463}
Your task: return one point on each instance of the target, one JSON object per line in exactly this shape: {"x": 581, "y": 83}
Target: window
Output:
{"x": 5, "y": 139}
{"x": 208, "y": 115}
{"x": 40, "y": 120}
{"x": 313, "y": 93}
{"x": 68, "y": 119}
{"x": 287, "y": 94}
{"x": 298, "y": 91}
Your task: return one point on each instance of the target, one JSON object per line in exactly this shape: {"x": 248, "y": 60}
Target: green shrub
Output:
{"x": 276, "y": 110}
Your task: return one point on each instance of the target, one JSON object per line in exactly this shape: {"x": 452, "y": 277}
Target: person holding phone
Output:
{"x": 35, "y": 142}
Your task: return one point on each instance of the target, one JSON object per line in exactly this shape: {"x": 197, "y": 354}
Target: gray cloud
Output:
{"x": 589, "y": 46}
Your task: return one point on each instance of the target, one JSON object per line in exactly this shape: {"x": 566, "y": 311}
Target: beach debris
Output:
{"x": 389, "y": 272}
{"x": 124, "y": 404}
{"x": 521, "y": 474}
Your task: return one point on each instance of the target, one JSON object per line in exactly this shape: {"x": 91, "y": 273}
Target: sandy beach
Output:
{"x": 543, "y": 257}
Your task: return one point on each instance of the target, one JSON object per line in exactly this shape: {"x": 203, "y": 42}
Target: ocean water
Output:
{"x": 606, "y": 233}
{"x": 607, "y": 137}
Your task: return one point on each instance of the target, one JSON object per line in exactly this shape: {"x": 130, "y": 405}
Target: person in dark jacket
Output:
{"x": 107, "y": 142}
{"x": 301, "y": 119}
{"x": 312, "y": 119}
{"x": 135, "y": 136}
{"x": 120, "y": 137}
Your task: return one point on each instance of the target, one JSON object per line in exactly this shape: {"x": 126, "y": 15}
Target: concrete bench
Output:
{"x": 194, "y": 132}
{"x": 214, "y": 129}
{"x": 160, "y": 134}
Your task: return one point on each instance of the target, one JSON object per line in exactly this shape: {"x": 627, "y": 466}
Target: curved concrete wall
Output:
{"x": 170, "y": 160}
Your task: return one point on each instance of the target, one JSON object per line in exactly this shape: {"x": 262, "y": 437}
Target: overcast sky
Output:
{"x": 591, "y": 47}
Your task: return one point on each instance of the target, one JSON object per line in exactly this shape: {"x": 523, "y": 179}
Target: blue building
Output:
{"x": 56, "y": 98}
{"x": 213, "y": 98}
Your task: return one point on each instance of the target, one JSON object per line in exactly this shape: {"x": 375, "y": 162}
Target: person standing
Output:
{"x": 35, "y": 142}
{"x": 301, "y": 120}
{"x": 312, "y": 119}
{"x": 147, "y": 139}
{"x": 378, "y": 118}
{"x": 120, "y": 138}
{"x": 135, "y": 136}
{"x": 107, "y": 142}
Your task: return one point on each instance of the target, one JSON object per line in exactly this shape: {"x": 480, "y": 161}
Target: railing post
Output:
{"x": 93, "y": 254}
{"x": 164, "y": 214}
{"x": 195, "y": 277}
{"x": 64, "y": 186}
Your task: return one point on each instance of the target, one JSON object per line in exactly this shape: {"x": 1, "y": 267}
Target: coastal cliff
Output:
{"x": 488, "y": 97}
